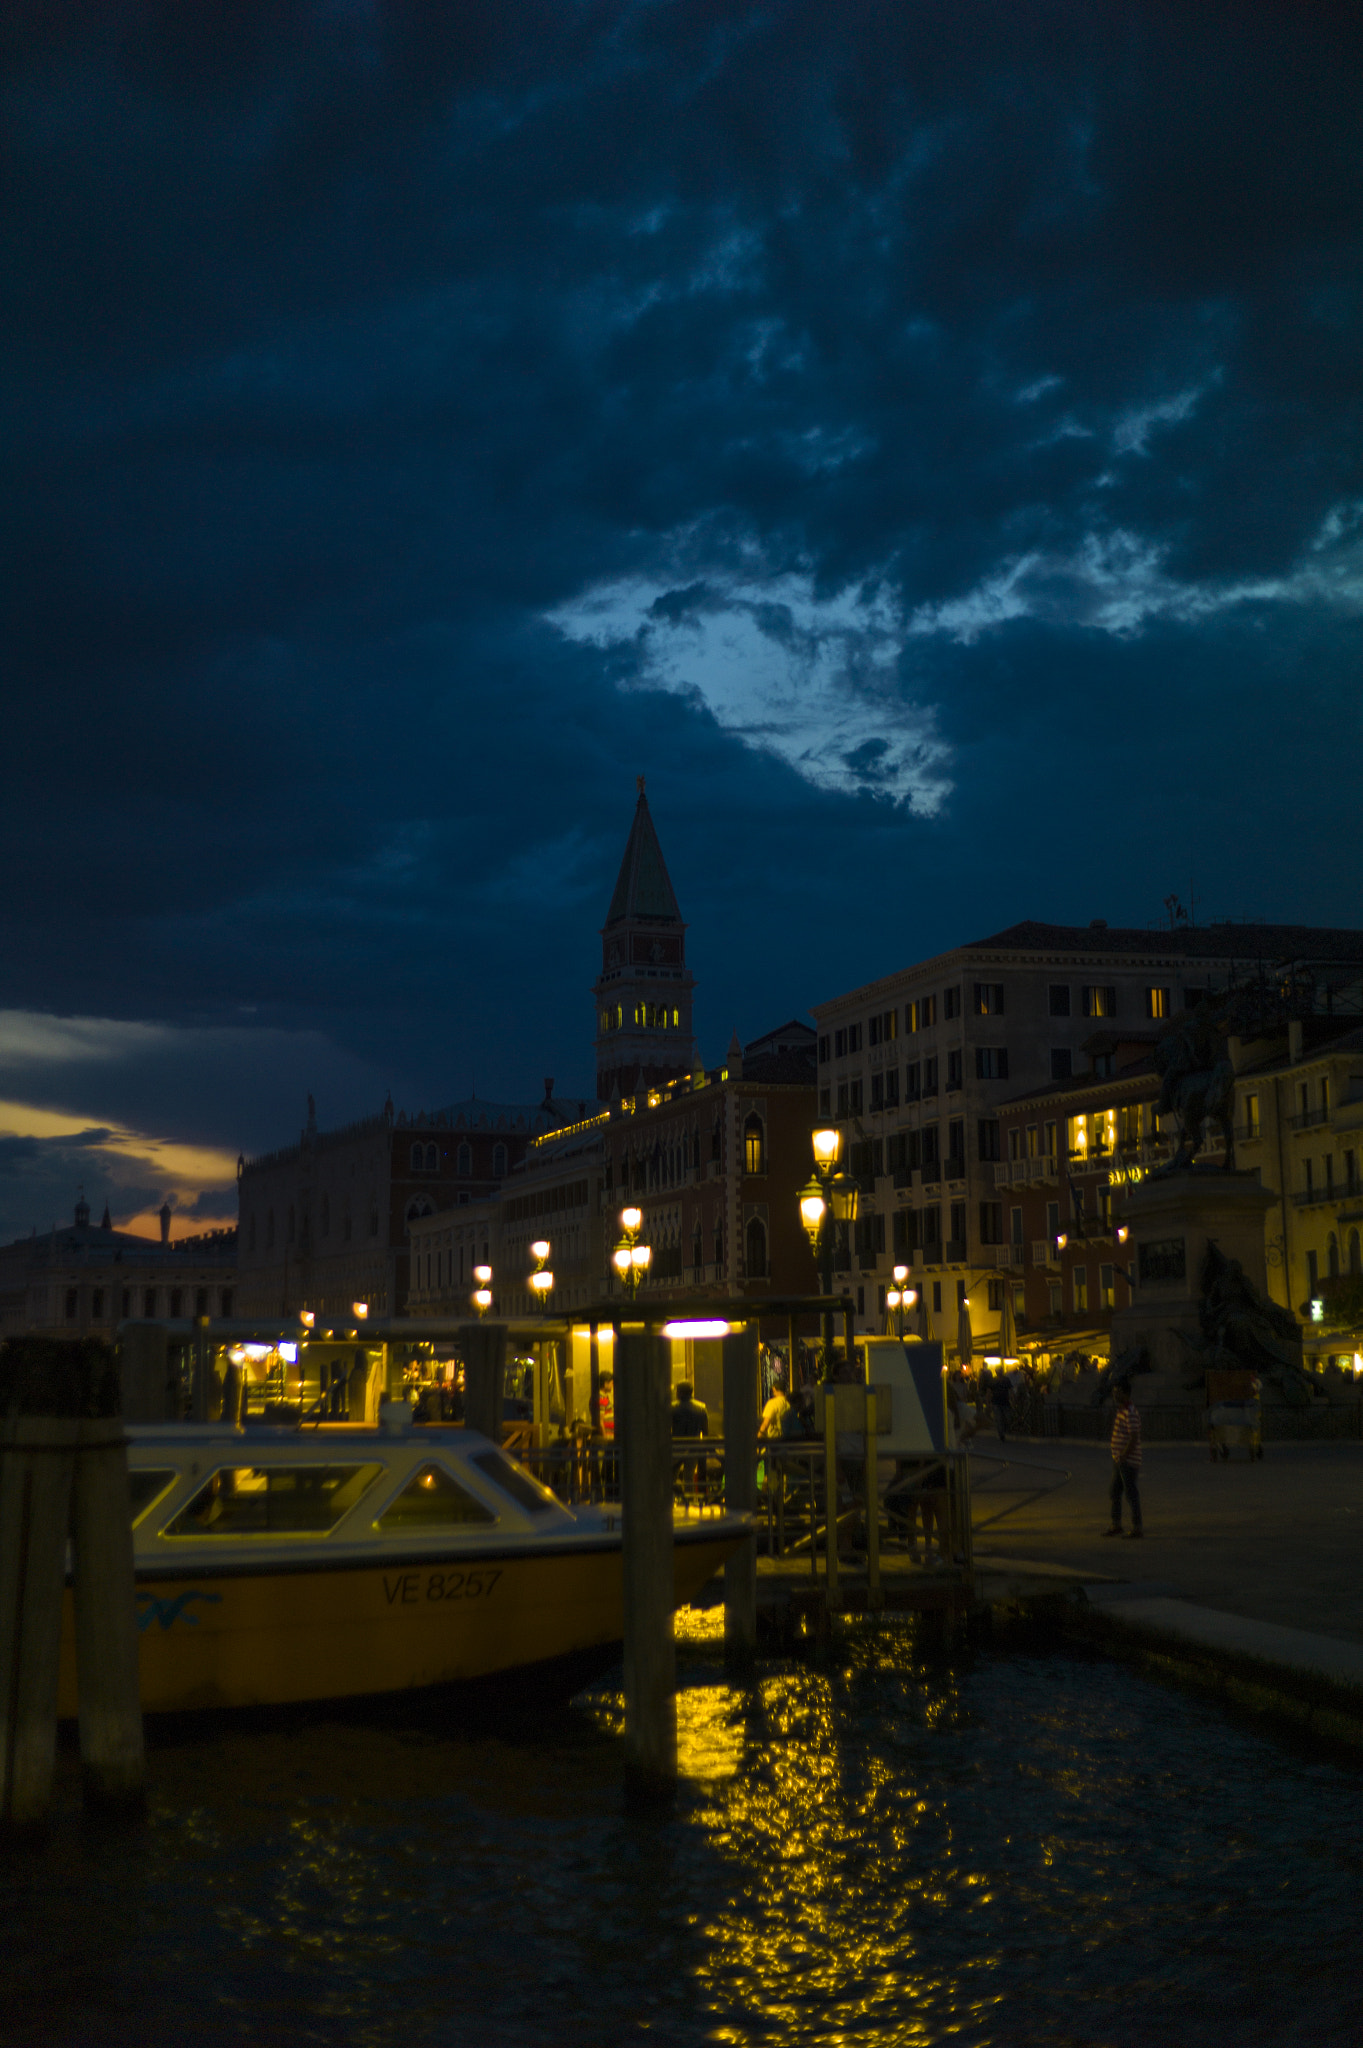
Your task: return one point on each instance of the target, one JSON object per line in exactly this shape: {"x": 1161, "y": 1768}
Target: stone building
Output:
{"x": 715, "y": 1163}
{"x": 1299, "y": 1124}
{"x": 84, "y": 1279}
{"x": 714, "y": 1159}
{"x": 325, "y": 1222}
{"x": 916, "y": 1067}
{"x": 643, "y": 992}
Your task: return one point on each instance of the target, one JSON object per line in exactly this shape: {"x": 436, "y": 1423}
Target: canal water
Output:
{"x": 887, "y": 1849}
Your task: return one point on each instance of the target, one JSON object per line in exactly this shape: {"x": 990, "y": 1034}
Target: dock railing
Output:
{"x": 792, "y": 1494}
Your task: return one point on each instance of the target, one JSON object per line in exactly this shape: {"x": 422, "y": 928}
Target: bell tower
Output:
{"x": 643, "y": 994}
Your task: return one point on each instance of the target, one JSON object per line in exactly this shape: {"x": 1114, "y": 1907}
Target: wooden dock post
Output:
{"x": 740, "y": 1494}
{"x": 483, "y": 1348}
{"x": 874, "y": 1596}
{"x": 113, "y": 1759}
{"x": 643, "y": 1432}
{"x": 830, "y": 1490}
{"x": 150, "y": 1391}
{"x": 37, "y": 1453}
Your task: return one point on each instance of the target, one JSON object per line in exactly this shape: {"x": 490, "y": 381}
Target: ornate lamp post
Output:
{"x": 631, "y": 1259}
{"x": 828, "y": 1198}
{"x": 541, "y": 1280}
{"x": 482, "y": 1293}
{"x": 899, "y": 1297}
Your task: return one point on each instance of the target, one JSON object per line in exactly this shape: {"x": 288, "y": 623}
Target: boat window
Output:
{"x": 515, "y": 1480}
{"x": 274, "y": 1500}
{"x": 145, "y": 1489}
{"x": 432, "y": 1500}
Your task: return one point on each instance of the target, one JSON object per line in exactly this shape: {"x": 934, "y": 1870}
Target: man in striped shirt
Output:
{"x": 1126, "y": 1461}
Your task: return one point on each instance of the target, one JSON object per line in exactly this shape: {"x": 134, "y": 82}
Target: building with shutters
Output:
{"x": 915, "y": 1069}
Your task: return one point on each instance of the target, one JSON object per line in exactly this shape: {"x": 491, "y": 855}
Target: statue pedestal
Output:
{"x": 1172, "y": 1218}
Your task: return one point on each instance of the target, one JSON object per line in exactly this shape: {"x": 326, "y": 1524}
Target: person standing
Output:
{"x": 1126, "y": 1461}
{"x": 1001, "y": 1394}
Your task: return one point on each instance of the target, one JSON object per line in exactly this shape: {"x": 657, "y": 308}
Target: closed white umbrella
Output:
{"x": 1008, "y": 1336}
{"x": 965, "y": 1340}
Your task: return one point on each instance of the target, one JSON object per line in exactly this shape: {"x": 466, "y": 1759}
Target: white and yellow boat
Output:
{"x": 275, "y": 1567}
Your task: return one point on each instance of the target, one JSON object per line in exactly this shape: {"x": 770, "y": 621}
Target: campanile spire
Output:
{"x": 643, "y": 994}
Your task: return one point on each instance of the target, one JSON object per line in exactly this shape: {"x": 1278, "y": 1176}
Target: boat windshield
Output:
{"x": 145, "y": 1489}
{"x": 525, "y": 1491}
{"x": 274, "y": 1500}
{"x": 432, "y": 1500}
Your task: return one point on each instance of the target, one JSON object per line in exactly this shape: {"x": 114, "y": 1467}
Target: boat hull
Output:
{"x": 284, "y": 1635}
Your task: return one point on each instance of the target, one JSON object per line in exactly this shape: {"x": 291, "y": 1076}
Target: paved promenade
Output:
{"x": 1278, "y": 1541}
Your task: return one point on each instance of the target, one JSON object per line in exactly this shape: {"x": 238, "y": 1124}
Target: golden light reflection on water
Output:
{"x": 886, "y": 1848}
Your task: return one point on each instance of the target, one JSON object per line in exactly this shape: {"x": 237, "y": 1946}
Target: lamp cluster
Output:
{"x": 631, "y": 1259}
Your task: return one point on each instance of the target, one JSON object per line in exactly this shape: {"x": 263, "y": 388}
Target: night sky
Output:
{"x": 923, "y": 440}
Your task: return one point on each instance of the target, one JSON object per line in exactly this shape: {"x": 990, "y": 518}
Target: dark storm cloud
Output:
{"x": 925, "y": 440}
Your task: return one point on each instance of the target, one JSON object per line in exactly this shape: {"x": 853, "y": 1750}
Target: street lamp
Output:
{"x": 828, "y": 1197}
{"x": 899, "y": 1297}
{"x": 541, "y": 1280}
{"x": 482, "y": 1294}
{"x": 631, "y": 1259}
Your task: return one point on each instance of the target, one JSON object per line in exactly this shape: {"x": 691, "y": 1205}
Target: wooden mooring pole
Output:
{"x": 740, "y": 1495}
{"x": 113, "y": 1760}
{"x": 64, "y": 1468}
{"x": 36, "y": 1464}
{"x": 483, "y": 1349}
{"x": 643, "y": 1433}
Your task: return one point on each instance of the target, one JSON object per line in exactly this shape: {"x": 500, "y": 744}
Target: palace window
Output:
{"x": 951, "y": 1002}
{"x": 988, "y": 998}
{"x": 991, "y": 1063}
{"x": 755, "y": 1247}
{"x": 891, "y": 1087}
{"x": 1059, "y": 999}
{"x": 1100, "y": 1002}
{"x": 754, "y": 1146}
{"x": 954, "y": 1070}
{"x": 1157, "y": 1002}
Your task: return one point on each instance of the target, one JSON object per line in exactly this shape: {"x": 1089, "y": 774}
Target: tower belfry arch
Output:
{"x": 644, "y": 991}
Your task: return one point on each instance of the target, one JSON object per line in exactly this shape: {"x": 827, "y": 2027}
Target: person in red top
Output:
{"x": 1126, "y": 1461}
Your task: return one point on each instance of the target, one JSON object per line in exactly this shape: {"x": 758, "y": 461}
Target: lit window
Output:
{"x": 754, "y": 1146}
{"x": 1157, "y": 1002}
{"x": 1100, "y": 1002}
{"x": 1081, "y": 1290}
{"x": 1251, "y": 1116}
